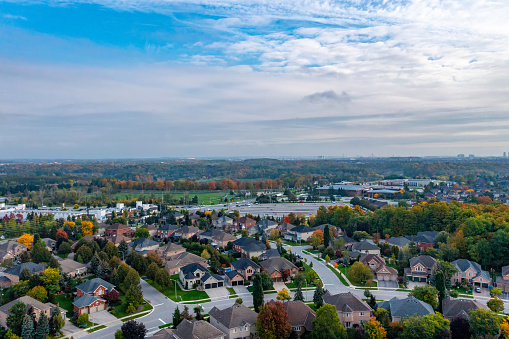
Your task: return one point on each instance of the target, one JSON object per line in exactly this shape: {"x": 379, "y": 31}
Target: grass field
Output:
{"x": 66, "y": 303}
{"x": 181, "y": 295}
{"x": 306, "y": 271}
{"x": 344, "y": 271}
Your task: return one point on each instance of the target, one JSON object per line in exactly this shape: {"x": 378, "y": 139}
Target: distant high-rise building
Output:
{"x": 505, "y": 155}
{"x": 471, "y": 155}
{"x": 461, "y": 155}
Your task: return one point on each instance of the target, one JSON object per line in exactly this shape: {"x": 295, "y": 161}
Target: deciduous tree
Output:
{"x": 359, "y": 273}
{"x": 39, "y": 293}
{"x": 484, "y": 322}
{"x": 133, "y": 330}
{"x": 26, "y": 239}
{"x": 327, "y": 324}
{"x": 273, "y": 322}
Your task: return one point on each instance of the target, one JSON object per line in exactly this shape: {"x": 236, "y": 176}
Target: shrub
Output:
{"x": 82, "y": 319}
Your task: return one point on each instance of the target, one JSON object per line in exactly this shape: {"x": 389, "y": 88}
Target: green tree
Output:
{"x": 39, "y": 293}
{"x": 162, "y": 278}
{"x": 15, "y": 317}
{"x": 383, "y": 316}
{"x": 318, "y": 295}
{"x": 151, "y": 271}
{"x": 326, "y": 236}
{"x": 440, "y": 286}
{"x": 40, "y": 252}
{"x": 176, "y": 317}
{"x": 298, "y": 294}
{"x": 42, "y": 331}
{"x": 425, "y": 327}
{"x": 27, "y": 328}
{"x": 359, "y": 273}
{"x": 327, "y": 324}
{"x": 495, "y": 304}
{"x": 64, "y": 248}
{"x": 111, "y": 250}
{"x": 85, "y": 253}
{"x": 495, "y": 292}
{"x": 267, "y": 283}
{"x": 426, "y": 293}
{"x": 56, "y": 321}
{"x": 82, "y": 319}
{"x": 134, "y": 296}
{"x": 257, "y": 292}
{"x": 484, "y": 323}
{"x": 123, "y": 250}
{"x": 141, "y": 233}
{"x": 131, "y": 279}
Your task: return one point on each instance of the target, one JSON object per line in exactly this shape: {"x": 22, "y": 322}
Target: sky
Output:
{"x": 265, "y": 78}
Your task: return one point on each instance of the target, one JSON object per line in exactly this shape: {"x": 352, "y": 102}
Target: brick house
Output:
{"x": 222, "y": 240}
{"x": 234, "y": 278}
{"x": 377, "y": 266}
{"x": 243, "y": 224}
{"x": 186, "y": 232}
{"x": 169, "y": 250}
{"x": 118, "y": 229}
{"x": 38, "y": 307}
{"x": 279, "y": 268}
{"x": 503, "y": 281}
{"x": 14, "y": 248}
{"x": 166, "y": 231}
{"x": 246, "y": 267}
{"x": 352, "y": 310}
{"x": 301, "y": 317}
{"x": 425, "y": 240}
{"x": 472, "y": 272}
{"x": 175, "y": 263}
{"x": 420, "y": 268}
{"x": 89, "y": 296}
{"x": 89, "y": 304}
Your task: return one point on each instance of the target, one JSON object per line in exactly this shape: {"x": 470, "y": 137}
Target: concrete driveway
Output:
{"x": 279, "y": 286}
{"x": 103, "y": 317}
{"x": 218, "y": 292}
{"x": 389, "y": 284}
{"x": 240, "y": 289}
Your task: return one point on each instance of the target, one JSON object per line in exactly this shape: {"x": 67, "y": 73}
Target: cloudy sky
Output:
{"x": 163, "y": 78}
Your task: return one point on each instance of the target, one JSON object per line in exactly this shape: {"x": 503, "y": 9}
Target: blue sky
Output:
{"x": 154, "y": 78}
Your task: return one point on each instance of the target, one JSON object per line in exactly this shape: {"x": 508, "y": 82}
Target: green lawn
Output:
{"x": 340, "y": 277}
{"x": 181, "y": 295}
{"x": 293, "y": 243}
{"x": 65, "y": 302}
{"x": 462, "y": 290}
{"x": 231, "y": 290}
{"x": 306, "y": 271}
{"x": 96, "y": 328}
{"x": 345, "y": 270}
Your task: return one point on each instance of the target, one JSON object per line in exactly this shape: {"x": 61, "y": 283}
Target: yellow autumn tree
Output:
{"x": 87, "y": 227}
{"x": 504, "y": 328}
{"x": 71, "y": 224}
{"x": 373, "y": 329}
{"x": 283, "y": 295}
{"x": 26, "y": 239}
{"x": 51, "y": 276}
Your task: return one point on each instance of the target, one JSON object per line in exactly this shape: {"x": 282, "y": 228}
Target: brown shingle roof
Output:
{"x": 346, "y": 302}
{"x": 234, "y": 316}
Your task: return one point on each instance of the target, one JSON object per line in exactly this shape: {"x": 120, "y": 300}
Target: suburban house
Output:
{"x": 249, "y": 247}
{"x": 299, "y": 233}
{"x": 13, "y": 247}
{"x": 191, "y": 274}
{"x": 377, "y": 266}
{"x": 117, "y": 239}
{"x": 169, "y": 250}
{"x": 237, "y": 321}
{"x": 266, "y": 226}
{"x": 176, "y": 262}
{"x": 223, "y": 222}
{"x": 89, "y": 296}
{"x": 407, "y": 307}
{"x": 14, "y": 272}
{"x": 300, "y": 315}
{"x": 166, "y": 231}
{"x": 222, "y": 240}
{"x": 285, "y": 228}
{"x": 348, "y": 241}
{"x": 457, "y": 307}
{"x": 246, "y": 267}
{"x": 38, "y": 307}
{"x": 279, "y": 268}
{"x": 472, "y": 272}
{"x": 234, "y": 278}
{"x": 420, "y": 268}
{"x": 152, "y": 229}
{"x": 5, "y": 256}
{"x": 425, "y": 240}
{"x": 144, "y": 245}
{"x": 243, "y": 224}
{"x": 503, "y": 281}
{"x": 186, "y": 232}
{"x": 72, "y": 267}
{"x": 208, "y": 234}
{"x": 195, "y": 329}
{"x": 365, "y": 247}
{"x": 50, "y": 244}
{"x": 118, "y": 229}
{"x": 268, "y": 254}
{"x": 398, "y": 241}
{"x": 352, "y": 310}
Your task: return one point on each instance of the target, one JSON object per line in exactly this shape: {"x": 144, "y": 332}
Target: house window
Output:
{"x": 296, "y": 328}
{"x": 361, "y": 314}
{"x": 469, "y": 274}
{"x": 234, "y": 330}
{"x": 348, "y": 324}
{"x": 347, "y": 315}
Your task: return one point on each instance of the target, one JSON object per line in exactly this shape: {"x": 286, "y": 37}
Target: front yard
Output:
{"x": 344, "y": 270}
{"x": 181, "y": 295}
{"x": 65, "y": 301}
{"x": 306, "y": 271}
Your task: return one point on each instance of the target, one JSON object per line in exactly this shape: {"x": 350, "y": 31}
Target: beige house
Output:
{"x": 472, "y": 272}
{"x": 169, "y": 250}
{"x": 72, "y": 267}
{"x": 352, "y": 310}
{"x": 420, "y": 268}
{"x": 222, "y": 240}
{"x": 237, "y": 321}
{"x": 38, "y": 307}
{"x": 176, "y": 262}
{"x": 13, "y": 247}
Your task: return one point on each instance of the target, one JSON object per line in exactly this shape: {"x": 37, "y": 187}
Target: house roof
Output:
{"x": 505, "y": 270}
{"x": 463, "y": 265}
{"x": 68, "y": 265}
{"x": 183, "y": 259}
{"x": 245, "y": 220}
{"x": 398, "y": 241}
{"x": 364, "y": 245}
{"x": 224, "y": 237}
{"x": 265, "y": 223}
{"x": 244, "y": 263}
{"x": 207, "y": 275}
{"x": 28, "y": 301}
{"x": 390, "y": 270}
{"x": 453, "y": 307}
{"x": 116, "y": 227}
{"x": 191, "y": 268}
{"x": 141, "y": 243}
{"x": 223, "y": 219}
{"x": 425, "y": 260}
{"x": 187, "y": 230}
{"x": 234, "y": 316}
{"x": 406, "y": 307}
{"x": 346, "y": 302}
{"x": 277, "y": 264}
{"x": 171, "y": 247}
{"x": 10, "y": 245}
{"x": 272, "y": 253}
{"x": 302, "y": 229}
{"x": 168, "y": 228}
{"x": 210, "y": 232}
{"x": 286, "y": 227}
{"x": 118, "y": 239}
{"x": 86, "y": 300}
{"x": 300, "y": 314}
{"x": 91, "y": 285}
{"x": 49, "y": 241}
{"x": 244, "y": 241}
{"x": 197, "y": 329}
{"x": 365, "y": 259}
{"x": 254, "y": 247}
{"x": 32, "y": 267}
{"x": 232, "y": 274}
{"x": 149, "y": 227}
{"x": 347, "y": 239}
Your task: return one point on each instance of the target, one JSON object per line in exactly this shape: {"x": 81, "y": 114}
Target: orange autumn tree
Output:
{"x": 71, "y": 224}
{"x": 316, "y": 238}
{"x": 87, "y": 227}
{"x": 374, "y": 329}
{"x": 504, "y": 328}
{"x": 26, "y": 239}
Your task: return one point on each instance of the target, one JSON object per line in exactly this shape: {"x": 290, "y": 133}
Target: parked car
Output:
{"x": 478, "y": 289}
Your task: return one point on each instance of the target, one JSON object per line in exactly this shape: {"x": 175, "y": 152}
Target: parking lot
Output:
{"x": 280, "y": 210}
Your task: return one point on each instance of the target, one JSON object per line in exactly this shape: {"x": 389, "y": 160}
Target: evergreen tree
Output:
{"x": 15, "y": 318}
{"x": 440, "y": 286}
{"x": 185, "y": 314}
{"x": 257, "y": 292}
{"x": 298, "y": 294}
{"x": 56, "y": 321}
{"x": 94, "y": 263}
{"x": 42, "y": 327}
{"x": 123, "y": 250}
{"x": 326, "y": 237}
{"x": 176, "y": 317}
{"x": 318, "y": 295}
{"x": 27, "y": 329}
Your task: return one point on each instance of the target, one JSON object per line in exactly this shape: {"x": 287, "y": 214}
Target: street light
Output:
{"x": 175, "y": 288}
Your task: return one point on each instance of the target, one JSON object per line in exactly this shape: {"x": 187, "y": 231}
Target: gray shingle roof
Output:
{"x": 191, "y": 268}
{"x": 300, "y": 314}
{"x": 277, "y": 264}
{"x": 346, "y": 302}
{"x": 398, "y": 241}
{"x": 142, "y": 243}
{"x": 244, "y": 263}
{"x": 364, "y": 246}
{"x": 426, "y": 260}
{"x": 264, "y": 223}
{"x": 408, "y": 307}
{"x": 207, "y": 275}
{"x": 32, "y": 267}
{"x": 463, "y": 264}
{"x": 234, "y": 316}
{"x": 454, "y": 307}
{"x": 91, "y": 285}
{"x": 302, "y": 229}
{"x": 168, "y": 228}
{"x": 197, "y": 330}
{"x": 272, "y": 253}
{"x": 232, "y": 274}
{"x": 86, "y": 300}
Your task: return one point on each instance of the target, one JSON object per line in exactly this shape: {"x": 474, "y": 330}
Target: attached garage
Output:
{"x": 214, "y": 285}
{"x": 234, "y": 283}
{"x": 207, "y": 286}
